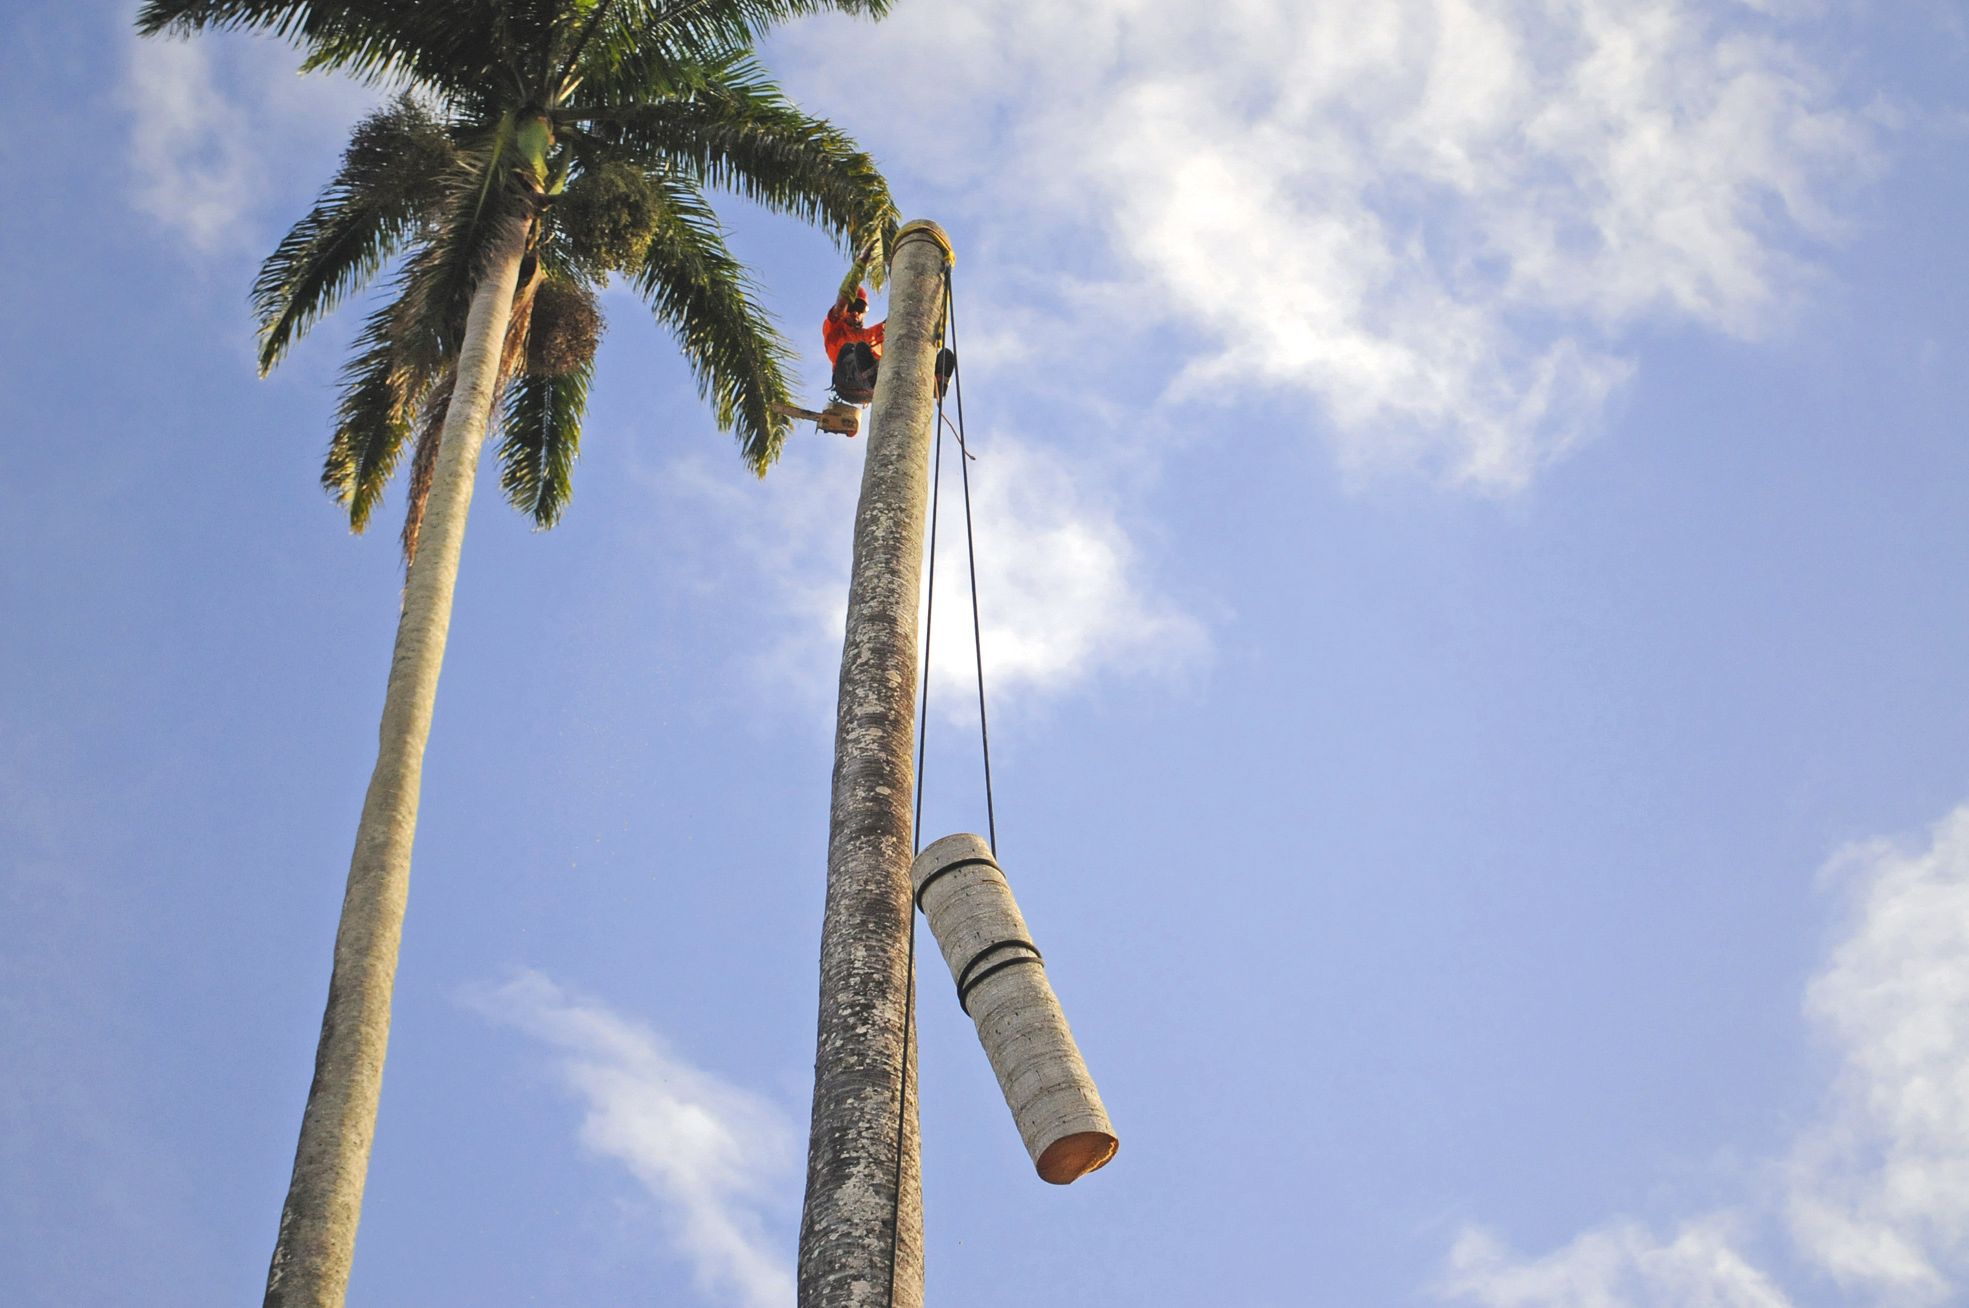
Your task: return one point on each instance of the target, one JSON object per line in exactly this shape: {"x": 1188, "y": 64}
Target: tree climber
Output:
{"x": 852, "y": 347}
{"x": 855, "y": 349}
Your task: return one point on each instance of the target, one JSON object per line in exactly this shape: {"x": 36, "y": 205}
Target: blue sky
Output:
{"x": 1472, "y": 510}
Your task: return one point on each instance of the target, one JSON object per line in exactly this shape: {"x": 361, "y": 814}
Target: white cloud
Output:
{"x": 1060, "y": 588}
{"x": 718, "y": 1159}
{"x": 216, "y": 121}
{"x": 1881, "y": 1189}
{"x": 1875, "y": 1192}
{"x": 190, "y": 150}
{"x": 1063, "y": 595}
{"x": 1442, "y": 219}
{"x": 1619, "y": 1266}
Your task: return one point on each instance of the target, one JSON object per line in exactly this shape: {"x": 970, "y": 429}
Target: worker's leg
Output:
{"x": 854, "y": 373}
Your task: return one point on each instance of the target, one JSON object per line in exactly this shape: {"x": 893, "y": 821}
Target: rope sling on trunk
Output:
{"x": 956, "y": 389}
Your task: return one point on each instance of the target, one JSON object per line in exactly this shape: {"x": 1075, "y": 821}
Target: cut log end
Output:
{"x": 1002, "y": 984}
{"x": 1071, "y": 1157}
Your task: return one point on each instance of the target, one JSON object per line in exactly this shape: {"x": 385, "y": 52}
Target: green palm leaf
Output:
{"x": 696, "y": 288}
{"x": 445, "y": 46}
{"x": 737, "y": 131}
{"x": 382, "y": 389}
{"x": 436, "y": 286}
{"x": 540, "y": 437}
{"x": 631, "y": 38}
{"x": 391, "y": 176}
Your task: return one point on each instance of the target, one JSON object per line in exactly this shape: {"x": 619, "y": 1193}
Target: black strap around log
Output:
{"x": 972, "y": 975}
{"x": 978, "y": 860}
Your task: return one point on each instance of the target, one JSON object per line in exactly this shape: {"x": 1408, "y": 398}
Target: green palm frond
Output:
{"x": 629, "y": 36}
{"x": 437, "y": 282}
{"x": 382, "y": 389}
{"x": 737, "y": 131}
{"x": 447, "y": 46}
{"x": 523, "y": 110}
{"x": 698, "y": 290}
{"x": 637, "y": 48}
{"x": 390, "y": 179}
{"x": 369, "y": 435}
{"x": 540, "y": 437}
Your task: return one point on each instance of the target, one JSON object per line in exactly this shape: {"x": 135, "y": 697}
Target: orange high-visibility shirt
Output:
{"x": 838, "y": 331}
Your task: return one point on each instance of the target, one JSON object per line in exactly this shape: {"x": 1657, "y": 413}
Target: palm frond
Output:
{"x": 635, "y": 36}
{"x": 449, "y": 46}
{"x": 637, "y": 46}
{"x": 518, "y": 101}
{"x": 439, "y": 279}
{"x": 540, "y": 438}
{"x": 390, "y": 179}
{"x": 435, "y": 408}
{"x": 737, "y": 131}
{"x": 383, "y": 387}
{"x": 697, "y": 289}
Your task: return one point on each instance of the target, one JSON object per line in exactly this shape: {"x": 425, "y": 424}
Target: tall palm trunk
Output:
{"x": 864, "y": 1204}
{"x": 324, "y": 1200}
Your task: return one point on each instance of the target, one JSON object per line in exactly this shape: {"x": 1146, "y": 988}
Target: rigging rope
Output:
{"x": 956, "y": 387}
{"x": 971, "y": 557}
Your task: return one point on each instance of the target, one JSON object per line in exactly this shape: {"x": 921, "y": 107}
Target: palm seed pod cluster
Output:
{"x": 566, "y": 327}
{"x": 609, "y": 213}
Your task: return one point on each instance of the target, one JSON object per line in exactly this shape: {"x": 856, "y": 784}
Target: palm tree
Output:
{"x": 861, "y": 1231}
{"x": 541, "y": 146}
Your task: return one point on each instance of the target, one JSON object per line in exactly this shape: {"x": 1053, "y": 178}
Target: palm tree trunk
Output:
{"x": 864, "y": 1203}
{"x": 324, "y": 1200}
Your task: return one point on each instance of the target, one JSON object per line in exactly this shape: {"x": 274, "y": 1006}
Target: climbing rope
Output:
{"x": 971, "y": 557}
{"x": 956, "y": 388}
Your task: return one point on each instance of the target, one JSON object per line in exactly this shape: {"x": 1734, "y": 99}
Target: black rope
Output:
{"x": 971, "y": 556}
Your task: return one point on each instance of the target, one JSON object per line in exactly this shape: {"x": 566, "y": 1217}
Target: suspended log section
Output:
{"x": 1001, "y": 982}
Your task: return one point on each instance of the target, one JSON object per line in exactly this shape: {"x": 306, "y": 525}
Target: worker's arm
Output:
{"x": 858, "y": 272}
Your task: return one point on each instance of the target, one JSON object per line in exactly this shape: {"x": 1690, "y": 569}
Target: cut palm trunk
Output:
{"x": 861, "y": 1231}
{"x": 1001, "y": 983}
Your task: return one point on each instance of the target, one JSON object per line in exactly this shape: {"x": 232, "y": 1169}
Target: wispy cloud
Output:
{"x": 1621, "y": 1265}
{"x": 1875, "y": 1192}
{"x": 1441, "y": 219}
{"x": 214, "y": 123}
{"x": 1064, "y": 593}
{"x": 190, "y": 154}
{"x": 719, "y": 1160}
{"x": 1880, "y": 1190}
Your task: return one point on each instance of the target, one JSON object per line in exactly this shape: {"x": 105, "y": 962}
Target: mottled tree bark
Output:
{"x": 853, "y": 1211}
{"x": 316, "y": 1244}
